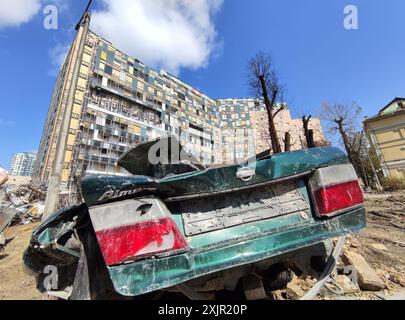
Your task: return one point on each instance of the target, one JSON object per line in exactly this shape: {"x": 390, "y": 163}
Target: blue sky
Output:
{"x": 317, "y": 58}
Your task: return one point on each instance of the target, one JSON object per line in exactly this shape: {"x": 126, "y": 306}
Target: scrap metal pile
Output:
{"x": 18, "y": 205}
{"x": 27, "y": 201}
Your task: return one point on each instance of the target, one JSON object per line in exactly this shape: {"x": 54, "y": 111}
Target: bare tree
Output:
{"x": 343, "y": 119}
{"x": 309, "y": 134}
{"x": 287, "y": 142}
{"x": 264, "y": 83}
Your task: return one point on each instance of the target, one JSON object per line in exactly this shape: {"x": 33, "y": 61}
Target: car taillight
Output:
{"x": 134, "y": 229}
{"x": 335, "y": 189}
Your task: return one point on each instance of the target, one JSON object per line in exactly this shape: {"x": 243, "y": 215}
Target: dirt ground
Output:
{"x": 14, "y": 283}
{"x": 382, "y": 244}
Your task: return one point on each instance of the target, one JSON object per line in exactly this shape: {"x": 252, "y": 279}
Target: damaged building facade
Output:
{"x": 119, "y": 102}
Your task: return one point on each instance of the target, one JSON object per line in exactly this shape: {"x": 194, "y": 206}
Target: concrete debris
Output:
{"x": 379, "y": 246}
{"x": 278, "y": 295}
{"x": 398, "y": 279}
{"x": 27, "y": 201}
{"x": 354, "y": 245}
{"x": 351, "y": 242}
{"x": 366, "y": 276}
{"x": 346, "y": 284}
{"x": 294, "y": 289}
{"x": 21, "y": 205}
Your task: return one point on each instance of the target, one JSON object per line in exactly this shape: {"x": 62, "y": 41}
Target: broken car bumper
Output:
{"x": 149, "y": 275}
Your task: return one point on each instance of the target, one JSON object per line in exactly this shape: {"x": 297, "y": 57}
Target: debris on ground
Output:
{"x": 376, "y": 255}
{"x": 398, "y": 279}
{"x": 346, "y": 284}
{"x": 378, "y": 250}
{"x": 26, "y": 200}
{"x": 381, "y": 245}
{"x": 19, "y": 206}
{"x": 295, "y": 289}
{"x": 366, "y": 276}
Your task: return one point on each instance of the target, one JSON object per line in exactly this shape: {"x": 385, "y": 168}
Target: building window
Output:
{"x": 108, "y": 70}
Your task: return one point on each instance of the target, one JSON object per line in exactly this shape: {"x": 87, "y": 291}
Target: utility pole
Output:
{"x": 52, "y": 197}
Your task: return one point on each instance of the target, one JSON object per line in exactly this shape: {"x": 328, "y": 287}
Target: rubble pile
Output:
{"x": 26, "y": 200}
{"x": 352, "y": 279}
{"x": 19, "y": 205}
{"x": 372, "y": 265}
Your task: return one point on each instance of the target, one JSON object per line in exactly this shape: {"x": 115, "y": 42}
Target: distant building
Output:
{"x": 386, "y": 132}
{"x": 22, "y": 164}
{"x": 119, "y": 102}
{"x": 245, "y": 128}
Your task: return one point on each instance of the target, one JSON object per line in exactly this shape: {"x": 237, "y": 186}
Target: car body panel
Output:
{"x": 213, "y": 237}
{"x": 267, "y": 239}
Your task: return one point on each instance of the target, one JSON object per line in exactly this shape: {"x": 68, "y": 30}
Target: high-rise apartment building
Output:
{"x": 22, "y": 164}
{"x": 113, "y": 101}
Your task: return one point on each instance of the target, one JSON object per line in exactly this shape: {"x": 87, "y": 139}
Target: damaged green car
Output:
{"x": 177, "y": 227}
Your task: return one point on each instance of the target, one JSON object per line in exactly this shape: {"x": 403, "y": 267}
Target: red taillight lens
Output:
{"x": 138, "y": 240}
{"x": 335, "y": 189}
{"x": 126, "y": 233}
{"x": 334, "y": 198}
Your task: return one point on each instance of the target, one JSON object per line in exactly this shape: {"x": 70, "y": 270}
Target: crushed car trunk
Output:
{"x": 178, "y": 221}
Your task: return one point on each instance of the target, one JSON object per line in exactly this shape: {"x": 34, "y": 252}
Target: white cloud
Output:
{"x": 162, "y": 33}
{"x": 16, "y": 12}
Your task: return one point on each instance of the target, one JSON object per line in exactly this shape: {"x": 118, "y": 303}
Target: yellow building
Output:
{"x": 386, "y": 132}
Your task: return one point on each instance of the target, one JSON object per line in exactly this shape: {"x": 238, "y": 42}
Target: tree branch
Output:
{"x": 278, "y": 111}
